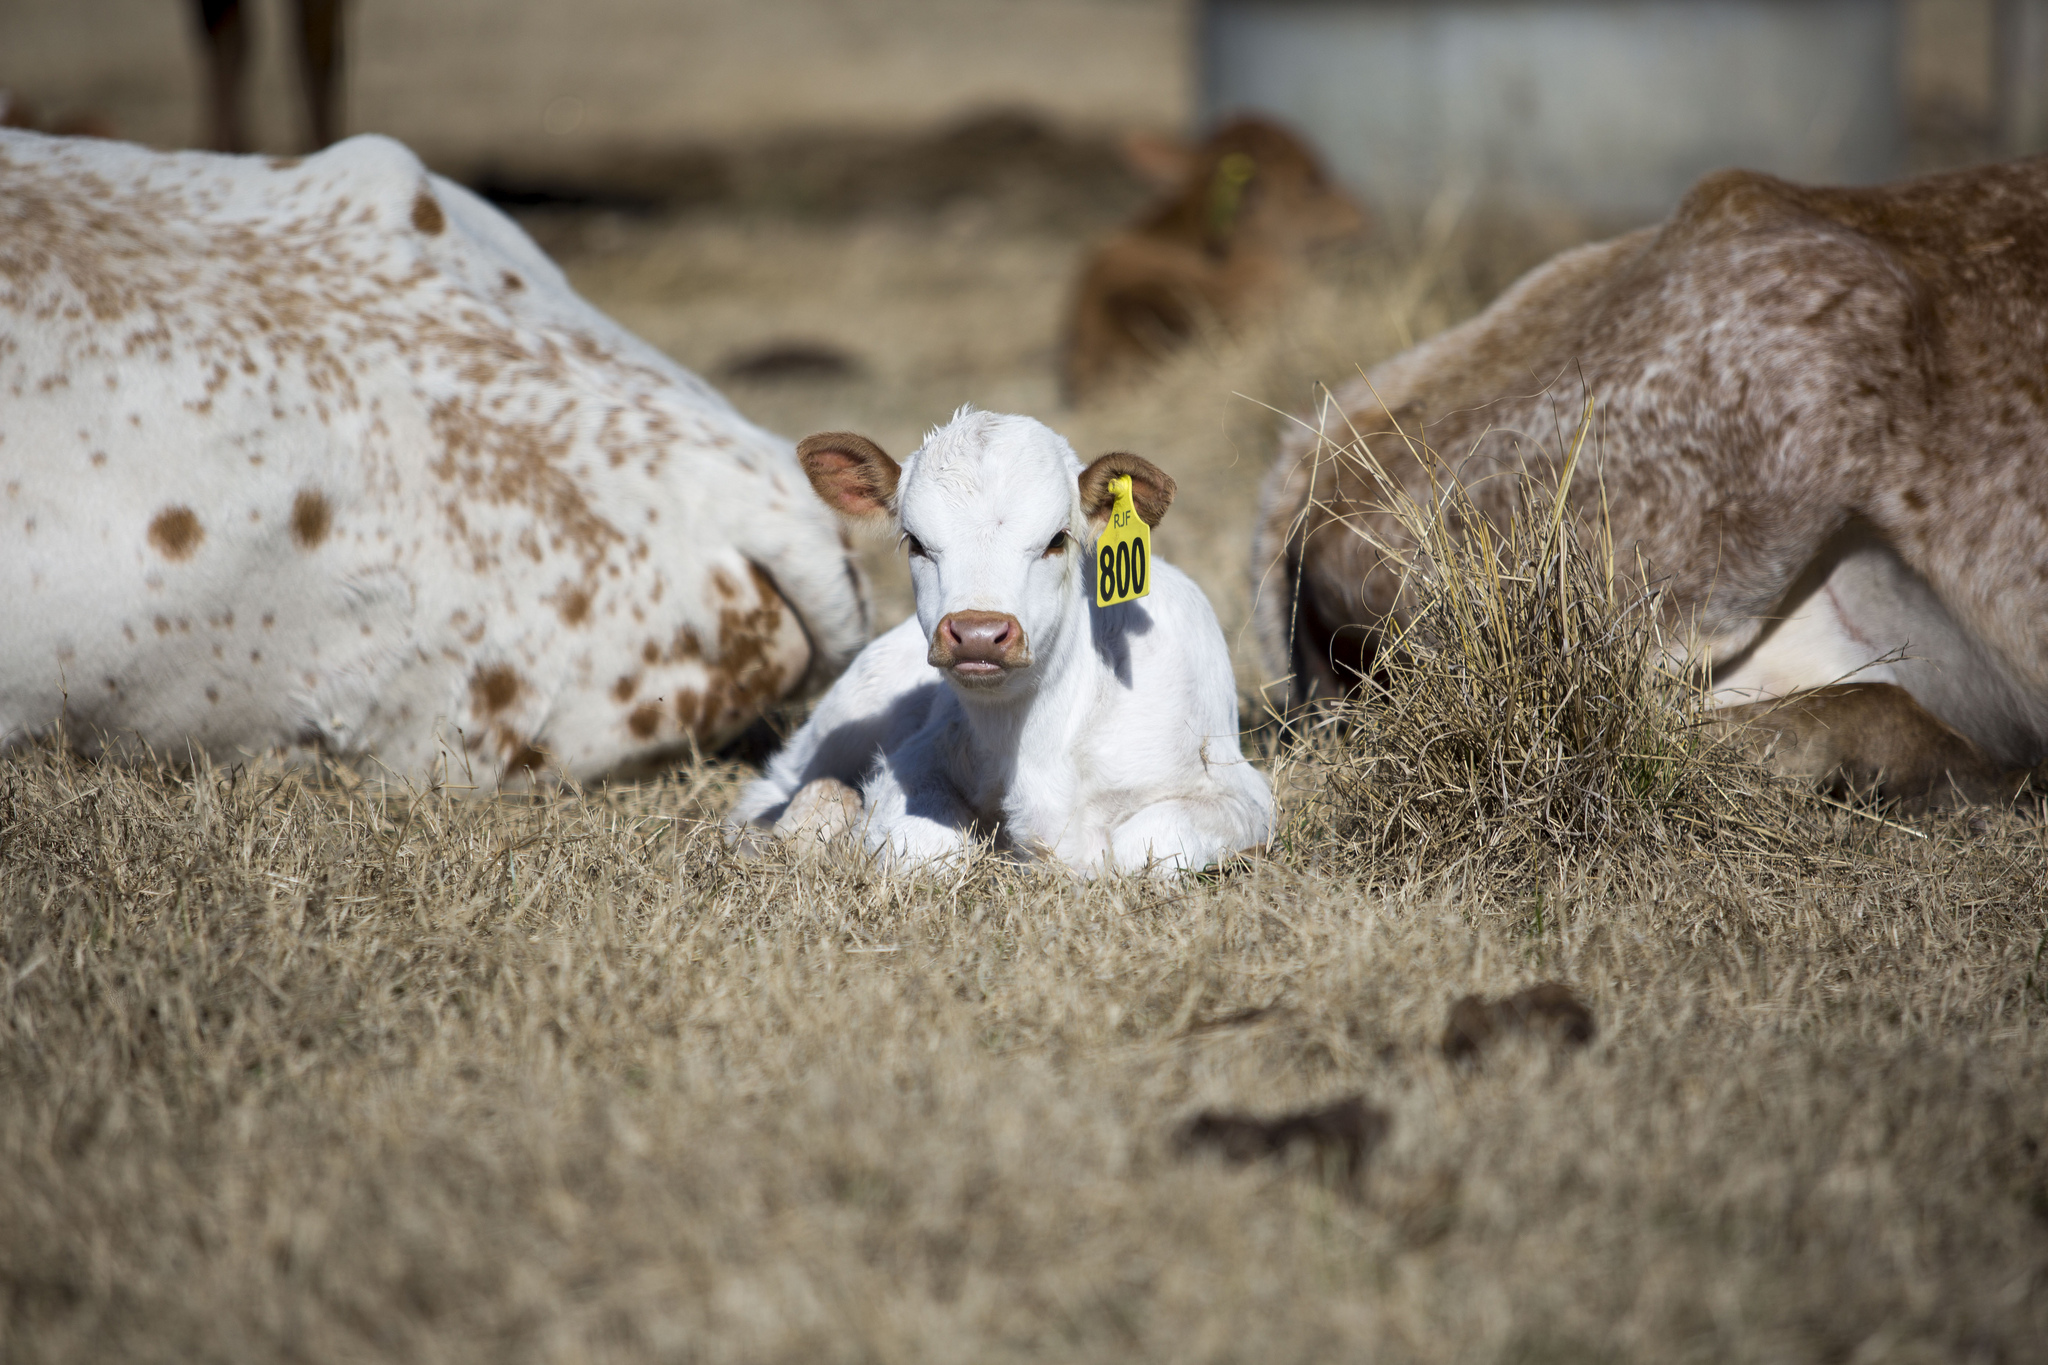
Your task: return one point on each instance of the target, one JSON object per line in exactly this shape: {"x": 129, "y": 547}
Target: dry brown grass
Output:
{"x": 286, "y": 1073}
{"x": 290, "y": 1074}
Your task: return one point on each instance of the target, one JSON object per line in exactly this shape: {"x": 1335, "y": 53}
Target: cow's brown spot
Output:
{"x": 311, "y": 518}
{"x": 176, "y": 533}
{"x": 427, "y": 215}
{"x": 651, "y": 652}
{"x": 213, "y": 694}
{"x": 644, "y": 721}
{"x": 283, "y": 163}
{"x": 99, "y": 457}
{"x": 623, "y": 689}
{"x": 526, "y": 756}
{"x": 512, "y": 281}
{"x": 493, "y": 689}
{"x": 574, "y": 605}
{"x": 163, "y": 625}
{"x": 1912, "y": 498}
{"x": 744, "y": 677}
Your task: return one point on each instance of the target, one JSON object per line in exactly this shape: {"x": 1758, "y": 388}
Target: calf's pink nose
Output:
{"x": 982, "y": 637}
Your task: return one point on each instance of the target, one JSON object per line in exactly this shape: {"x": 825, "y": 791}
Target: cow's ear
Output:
{"x": 1151, "y": 489}
{"x": 854, "y": 476}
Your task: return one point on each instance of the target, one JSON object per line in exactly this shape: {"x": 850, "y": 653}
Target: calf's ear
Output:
{"x": 854, "y": 476}
{"x": 1151, "y": 488}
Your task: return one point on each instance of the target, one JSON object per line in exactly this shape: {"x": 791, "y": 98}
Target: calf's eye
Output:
{"x": 916, "y": 546}
{"x": 1058, "y": 544}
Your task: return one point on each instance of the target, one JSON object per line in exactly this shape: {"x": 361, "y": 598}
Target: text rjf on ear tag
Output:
{"x": 1123, "y": 552}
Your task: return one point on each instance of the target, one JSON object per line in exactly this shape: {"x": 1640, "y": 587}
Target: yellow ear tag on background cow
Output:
{"x": 1123, "y": 552}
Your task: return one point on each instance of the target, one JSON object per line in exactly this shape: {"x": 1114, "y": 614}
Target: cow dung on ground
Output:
{"x": 1342, "y": 1135}
{"x": 1549, "y": 1010}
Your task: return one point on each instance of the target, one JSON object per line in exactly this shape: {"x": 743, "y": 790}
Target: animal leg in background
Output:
{"x": 1854, "y": 738}
{"x": 320, "y": 67}
{"x": 227, "y": 57}
{"x": 227, "y": 63}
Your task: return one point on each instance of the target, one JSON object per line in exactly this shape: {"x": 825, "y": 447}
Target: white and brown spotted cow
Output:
{"x": 325, "y": 455}
{"x": 1823, "y": 426}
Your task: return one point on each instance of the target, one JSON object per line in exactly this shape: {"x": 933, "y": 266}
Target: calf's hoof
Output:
{"x": 821, "y": 811}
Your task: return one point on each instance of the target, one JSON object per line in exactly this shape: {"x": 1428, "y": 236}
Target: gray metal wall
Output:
{"x": 2022, "y": 77}
{"x": 1605, "y": 107}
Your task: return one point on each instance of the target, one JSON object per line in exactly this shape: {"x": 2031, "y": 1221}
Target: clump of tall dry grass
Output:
{"x": 1523, "y": 707}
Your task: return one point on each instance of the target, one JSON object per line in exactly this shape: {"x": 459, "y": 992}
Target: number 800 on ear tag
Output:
{"x": 1123, "y": 552}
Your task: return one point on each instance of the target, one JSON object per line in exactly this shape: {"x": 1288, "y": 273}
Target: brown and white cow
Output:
{"x": 326, "y": 456}
{"x": 1225, "y": 242}
{"x": 1823, "y": 425}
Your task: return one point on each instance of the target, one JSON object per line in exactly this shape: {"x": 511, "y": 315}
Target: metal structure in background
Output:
{"x": 1606, "y": 108}
{"x": 2022, "y": 91}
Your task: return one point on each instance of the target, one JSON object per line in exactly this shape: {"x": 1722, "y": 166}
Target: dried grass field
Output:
{"x": 288, "y": 1072}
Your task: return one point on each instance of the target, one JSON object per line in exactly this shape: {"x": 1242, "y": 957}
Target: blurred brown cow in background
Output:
{"x": 1242, "y": 211}
{"x": 227, "y": 64}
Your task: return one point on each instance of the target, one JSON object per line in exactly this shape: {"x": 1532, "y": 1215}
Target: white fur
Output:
{"x": 542, "y": 535}
{"x": 1116, "y": 747}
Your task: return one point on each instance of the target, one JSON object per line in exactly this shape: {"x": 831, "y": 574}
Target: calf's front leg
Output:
{"x": 916, "y": 817}
{"x": 1185, "y": 834}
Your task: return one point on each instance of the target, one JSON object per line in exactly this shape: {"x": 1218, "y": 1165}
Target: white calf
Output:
{"x": 325, "y": 455}
{"x": 1012, "y": 706}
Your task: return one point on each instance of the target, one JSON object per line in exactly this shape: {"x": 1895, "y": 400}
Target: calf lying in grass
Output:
{"x": 1012, "y": 707}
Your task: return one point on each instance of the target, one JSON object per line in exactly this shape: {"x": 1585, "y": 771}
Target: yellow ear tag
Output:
{"x": 1123, "y": 552}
